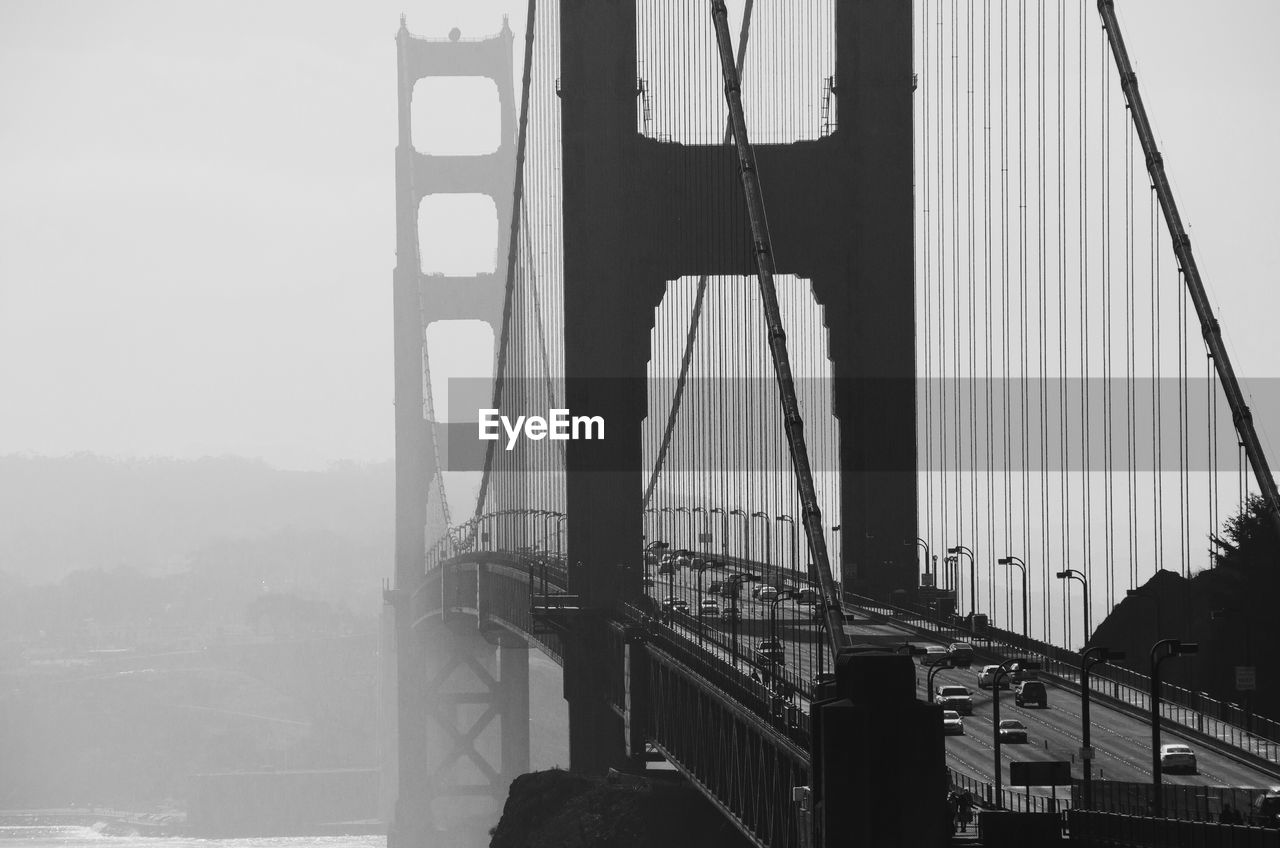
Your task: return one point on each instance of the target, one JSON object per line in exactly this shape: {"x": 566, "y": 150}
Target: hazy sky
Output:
{"x": 196, "y": 212}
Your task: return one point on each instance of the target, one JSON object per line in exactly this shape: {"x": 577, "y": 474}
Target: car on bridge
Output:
{"x": 765, "y": 592}
{"x": 1012, "y": 732}
{"x": 933, "y": 655}
{"x": 1019, "y": 672}
{"x": 709, "y": 608}
{"x": 1030, "y": 692}
{"x": 954, "y": 698}
{"x": 673, "y": 604}
{"x": 731, "y": 614}
{"x": 961, "y": 654}
{"x": 1266, "y": 809}
{"x": 988, "y": 674}
{"x": 952, "y": 724}
{"x": 770, "y": 652}
{"x": 1178, "y": 757}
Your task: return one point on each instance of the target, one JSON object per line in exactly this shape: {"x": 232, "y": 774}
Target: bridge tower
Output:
{"x": 840, "y": 211}
{"x": 432, "y": 641}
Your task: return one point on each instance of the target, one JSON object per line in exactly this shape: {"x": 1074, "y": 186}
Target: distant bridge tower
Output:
{"x": 428, "y": 640}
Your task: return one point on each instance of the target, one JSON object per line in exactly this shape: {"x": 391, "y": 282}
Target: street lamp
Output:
{"x": 1013, "y": 560}
{"x": 746, "y": 533}
{"x": 703, "y": 532}
{"x": 795, "y": 549}
{"x": 1077, "y": 574}
{"x": 1176, "y": 648}
{"x": 1002, "y": 670}
{"x": 1091, "y": 657}
{"x": 768, "y": 542}
{"x": 951, "y": 563}
{"x": 923, "y": 544}
{"x": 773, "y": 612}
{"x": 724, "y": 532}
{"x": 652, "y": 547}
{"x": 973, "y": 580}
{"x": 947, "y": 663}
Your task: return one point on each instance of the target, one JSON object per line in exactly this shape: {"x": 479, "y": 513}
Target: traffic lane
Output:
{"x": 1121, "y": 742}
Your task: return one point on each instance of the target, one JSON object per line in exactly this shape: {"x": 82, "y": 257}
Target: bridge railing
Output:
{"x": 714, "y": 663}
{"x": 1180, "y": 801}
{"x": 983, "y": 794}
{"x": 1093, "y": 829}
{"x": 1193, "y": 710}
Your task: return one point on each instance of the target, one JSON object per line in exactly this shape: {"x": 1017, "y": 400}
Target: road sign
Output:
{"x": 1086, "y": 753}
{"x": 1042, "y": 773}
{"x": 1246, "y": 678}
{"x": 704, "y": 537}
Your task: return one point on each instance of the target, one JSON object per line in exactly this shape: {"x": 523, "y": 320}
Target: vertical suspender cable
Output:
{"x": 516, "y": 206}
{"x": 699, "y": 298}
{"x": 763, "y": 249}
{"x": 1182, "y": 249}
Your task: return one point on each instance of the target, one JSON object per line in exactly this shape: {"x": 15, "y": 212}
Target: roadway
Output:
{"x": 1121, "y": 741}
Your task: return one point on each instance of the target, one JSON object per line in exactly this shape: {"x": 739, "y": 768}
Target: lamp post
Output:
{"x": 918, "y": 542}
{"x": 701, "y": 573}
{"x": 1022, "y": 566}
{"x": 735, "y": 584}
{"x": 773, "y": 612}
{"x": 973, "y": 580}
{"x": 768, "y": 542}
{"x": 653, "y": 547}
{"x": 1077, "y": 574}
{"x": 1176, "y": 648}
{"x": 724, "y": 533}
{"x": 933, "y": 672}
{"x": 746, "y": 533}
{"x": 1002, "y": 670}
{"x": 1091, "y": 657}
{"x": 704, "y": 532}
{"x": 795, "y": 550}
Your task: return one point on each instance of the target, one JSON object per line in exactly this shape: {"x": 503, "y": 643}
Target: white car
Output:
{"x": 988, "y": 674}
{"x": 954, "y": 698}
{"x": 1178, "y": 757}
{"x": 952, "y": 724}
{"x": 709, "y": 608}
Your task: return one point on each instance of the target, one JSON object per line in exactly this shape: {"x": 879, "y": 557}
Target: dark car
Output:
{"x": 732, "y": 614}
{"x": 1030, "y": 692}
{"x": 961, "y": 654}
{"x": 1266, "y": 809}
{"x": 1019, "y": 672}
{"x": 770, "y": 651}
{"x": 1012, "y": 731}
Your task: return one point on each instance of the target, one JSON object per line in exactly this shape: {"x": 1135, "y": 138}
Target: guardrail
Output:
{"x": 1193, "y": 710}
{"x": 1093, "y": 829}
{"x": 983, "y": 795}
{"x": 1180, "y": 801}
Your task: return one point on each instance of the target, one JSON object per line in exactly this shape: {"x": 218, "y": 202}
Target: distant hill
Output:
{"x": 62, "y": 514}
